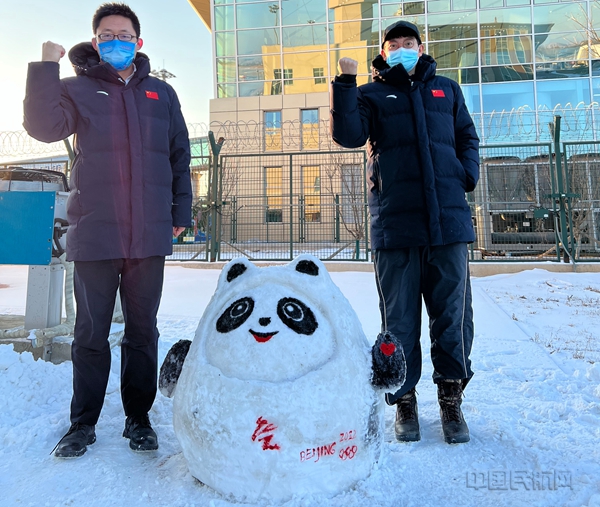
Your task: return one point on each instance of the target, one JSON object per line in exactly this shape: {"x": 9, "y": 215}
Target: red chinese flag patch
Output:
{"x": 152, "y": 95}
{"x": 435, "y": 93}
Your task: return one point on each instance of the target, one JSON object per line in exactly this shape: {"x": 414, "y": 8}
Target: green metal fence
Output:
{"x": 512, "y": 208}
{"x": 582, "y": 199}
{"x": 534, "y": 201}
{"x": 275, "y": 206}
{"x": 538, "y": 201}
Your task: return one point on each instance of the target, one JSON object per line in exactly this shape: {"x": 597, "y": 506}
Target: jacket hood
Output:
{"x": 382, "y": 72}
{"x": 86, "y": 62}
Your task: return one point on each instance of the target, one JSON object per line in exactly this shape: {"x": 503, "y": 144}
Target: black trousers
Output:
{"x": 439, "y": 276}
{"x": 95, "y": 286}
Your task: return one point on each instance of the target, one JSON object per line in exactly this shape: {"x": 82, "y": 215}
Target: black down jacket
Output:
{"x": 130, "y": 182}
{"x": 423, "y": 152}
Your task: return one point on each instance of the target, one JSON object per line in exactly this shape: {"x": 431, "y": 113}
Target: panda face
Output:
{"x": 269, "y": 334}
{"x": 292, "y": 312}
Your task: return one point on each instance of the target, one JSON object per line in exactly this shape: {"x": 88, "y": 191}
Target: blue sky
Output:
{"x": 173, "y": 34}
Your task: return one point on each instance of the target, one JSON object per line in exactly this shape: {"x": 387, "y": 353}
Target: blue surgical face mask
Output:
{"x": 408, "y": 58}
{"x": 117, "y": 53}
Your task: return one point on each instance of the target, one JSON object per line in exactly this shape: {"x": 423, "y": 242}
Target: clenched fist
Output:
{"x": 348, "y": 66}
{"x": 52, "y": 52}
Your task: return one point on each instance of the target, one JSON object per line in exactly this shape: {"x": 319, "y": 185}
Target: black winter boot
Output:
{"x": 407, "y": 418}
{"x": 76, "y": 440}
{"x": 140, "y": 433}
{"x": 454, "y": 426}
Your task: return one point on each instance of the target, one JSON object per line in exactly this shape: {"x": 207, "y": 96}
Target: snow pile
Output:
{"x": 275, "y": 397}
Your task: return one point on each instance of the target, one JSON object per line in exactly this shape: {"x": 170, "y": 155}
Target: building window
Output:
{"x": 487, "y": 48}
{"x": 275, "y": 87}
{"x": 288, "y": 76}
{"x": 272, "y": 122}
{"x": 319, "y": 74}
{"x": 226, "y": 90}
{"x": 311, "y": 188}
{"x": 309, "y": 123}
{"x": 502, "y": 53}
{"x": 273, "y": 194}
{"x": 520, "y": 49}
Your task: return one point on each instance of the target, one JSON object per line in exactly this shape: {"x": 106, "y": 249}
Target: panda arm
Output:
{"x": 171, "y": 367}
{"x": 389, "y": 364}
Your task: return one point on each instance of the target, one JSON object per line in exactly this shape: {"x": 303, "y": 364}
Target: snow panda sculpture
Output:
{"x": 280, "y": 394}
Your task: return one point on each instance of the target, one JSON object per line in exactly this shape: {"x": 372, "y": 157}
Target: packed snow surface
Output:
{"x": 533, "y": 409}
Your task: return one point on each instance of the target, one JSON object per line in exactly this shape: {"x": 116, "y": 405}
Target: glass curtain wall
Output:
{"x": 506, "y": 54}
{"x": 290, "y": 46}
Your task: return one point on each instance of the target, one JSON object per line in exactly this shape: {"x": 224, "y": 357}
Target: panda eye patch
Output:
{"x": 297, "y": 316}
{"x": 237, "y": 313}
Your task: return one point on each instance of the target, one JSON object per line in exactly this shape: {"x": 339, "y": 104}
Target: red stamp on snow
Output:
{"x": 264, "y": 433}
{"x": 318, "y": 452}
{"x": 315, "y": 454}
{"x": 438, "y": 93}
{"x": 348, "y": 452}
{"x": 152, "y": 95}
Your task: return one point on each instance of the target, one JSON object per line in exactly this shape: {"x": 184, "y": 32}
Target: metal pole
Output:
{"x": 572, "y": 245}
{"x": 291, "y": 209}
{"x": 215, "y": 148}
{"x": 366, "y": 201}
{"x": 221, "y": 203}
{"x": 301, "y": 219}
{"x": 337, "y": 218}
{"x": 561, "y": 192}
{"x": 234, "y": 221}
{"x": 553, "y": 184}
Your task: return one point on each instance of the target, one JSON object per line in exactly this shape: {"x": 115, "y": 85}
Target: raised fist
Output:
{"x": 348, "y": 66}
{"x": 52, "y": 52}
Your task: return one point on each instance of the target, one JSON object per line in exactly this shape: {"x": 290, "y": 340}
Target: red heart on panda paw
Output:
{"x": 387, "y": 348}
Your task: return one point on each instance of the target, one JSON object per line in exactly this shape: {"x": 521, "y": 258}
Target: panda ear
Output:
{"x": 307, "y": 267}
{"x": 235, "y": 270}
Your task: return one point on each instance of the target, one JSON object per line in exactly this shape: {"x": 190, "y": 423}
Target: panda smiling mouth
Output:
{"x": 263, "y": 337}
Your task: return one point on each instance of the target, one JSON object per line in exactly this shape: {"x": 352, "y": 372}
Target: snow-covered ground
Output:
{"x": 533, "y": 409}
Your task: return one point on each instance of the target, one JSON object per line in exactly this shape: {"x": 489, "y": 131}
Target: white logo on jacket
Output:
{"x": 103, "y": 92}
{"x": 391, "y": 97}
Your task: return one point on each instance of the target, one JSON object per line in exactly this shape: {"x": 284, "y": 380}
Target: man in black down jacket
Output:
{"x": 130, "y": 193}
{"x": 423, "y": 157}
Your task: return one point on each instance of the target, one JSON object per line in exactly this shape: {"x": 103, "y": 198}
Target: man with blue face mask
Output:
{"x": 130, "y": 194}
{"x": 423, "y": 158}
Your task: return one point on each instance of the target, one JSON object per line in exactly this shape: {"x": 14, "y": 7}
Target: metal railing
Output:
{"x": 273, "y": 206}
{"x": 512, "y": 210}
{"x": 269, "y": 197}
{"x": 538, "y": 201}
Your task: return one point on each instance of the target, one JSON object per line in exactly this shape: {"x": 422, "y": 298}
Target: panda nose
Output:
{"x": 264, "y": 321}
